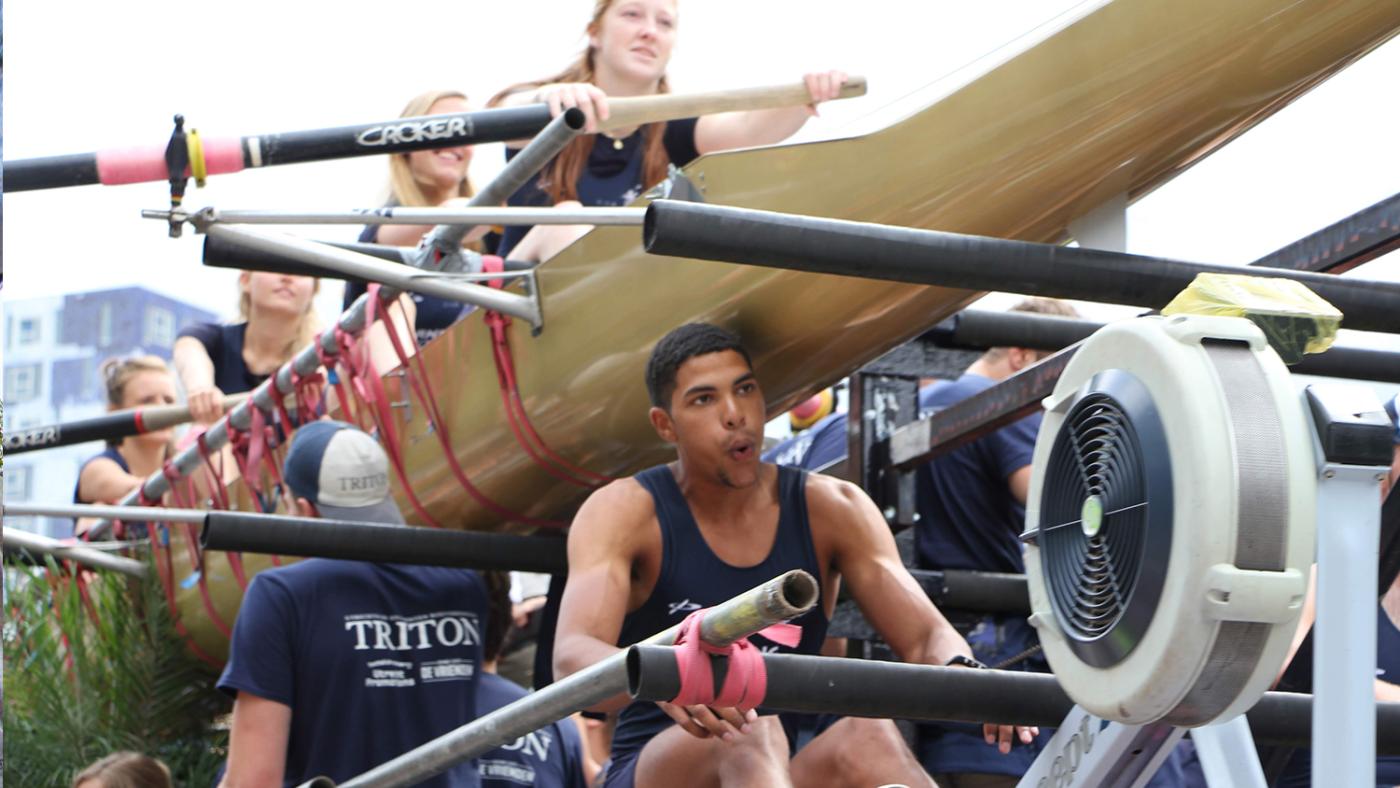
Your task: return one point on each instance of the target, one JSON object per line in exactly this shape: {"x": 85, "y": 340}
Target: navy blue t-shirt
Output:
{"x": 968, "y": 518}
{"x": 373, "y": 659}
{"x": 612, "y": 177}
{"x": 1298, "y": 773}
{"x": 224, "y": 344}
{"x": 551, "y": 757}
{"x": 814, "y": 448}
{"x": 432, "y": 315}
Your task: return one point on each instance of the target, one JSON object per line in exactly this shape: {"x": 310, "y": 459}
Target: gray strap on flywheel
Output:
{"x": 1262, "y": 533}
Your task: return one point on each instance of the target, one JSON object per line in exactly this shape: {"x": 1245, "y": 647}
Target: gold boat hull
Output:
{"x": 1117, "y": 101}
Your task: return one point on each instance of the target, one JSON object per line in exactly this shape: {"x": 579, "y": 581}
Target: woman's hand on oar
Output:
{"x": 586, "y": 96}
{"x": 823, "y": 86}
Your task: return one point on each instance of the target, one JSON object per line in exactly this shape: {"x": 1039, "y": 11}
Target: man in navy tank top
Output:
{"x": 646, "y": 551}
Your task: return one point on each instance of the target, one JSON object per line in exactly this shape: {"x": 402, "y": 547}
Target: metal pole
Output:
{"x": 871, "y": 688}
{"x": 243, "y": 532}
{"x": 34, "y": 543}
{"x": 375, "y": 270}
{"x": 602, "y": 217}
{"x": 435, "y": 253}
{"x": 126, "y": 513}
{"x": 926, "y": 257}
{"x": 780, "y": 599}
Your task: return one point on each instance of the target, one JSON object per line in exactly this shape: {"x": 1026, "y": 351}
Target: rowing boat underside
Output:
{"x": 1113, "y": 99}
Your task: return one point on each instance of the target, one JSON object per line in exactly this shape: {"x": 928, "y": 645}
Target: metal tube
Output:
{"x": 602, "y": 217}
{"x": 243, "y": 532}
{"x": 780, "y": 599}
{"x": 372, "y": 269}
{"x": 17, "y": 539}
{"x": 127, "y": 513}
{"x": 926, "y": 257}
{"x": 870, "y": 688}
{"x": 110, "y": 426}
{"x": 520, "y": 169}
{"x": 219, "y": 253}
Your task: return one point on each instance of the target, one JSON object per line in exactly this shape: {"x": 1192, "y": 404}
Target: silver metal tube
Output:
{"x": 128, "y": 513}
{"x": 785, "y": 597}
{"x": 443, "y": 244}
{"x": 400, "y": 277}
{"x": 34, "y": 543}
{"x": 628, "y": 217}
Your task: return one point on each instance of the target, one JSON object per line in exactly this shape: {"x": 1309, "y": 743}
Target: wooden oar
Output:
{"x": 628, "y": 111}
{"x": 111, "y": 426}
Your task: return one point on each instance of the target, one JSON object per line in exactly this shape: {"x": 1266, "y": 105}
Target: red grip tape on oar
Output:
{"x": 146, "y": 164}
{"x": 746, "y": 681}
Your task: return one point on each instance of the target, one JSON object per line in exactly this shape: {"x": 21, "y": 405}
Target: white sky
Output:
{"x": 82, "y": 76}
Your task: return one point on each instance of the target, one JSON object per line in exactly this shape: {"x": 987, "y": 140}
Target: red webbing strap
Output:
{"x": 166, "y": 571}
{"x": 330, "y": 361}
{"x": 422, "y": 388}
{"x": 308, "y": 389}
{"x": 369, "y": 388}
{"x": 183, "y": 493}
{"x": 746, "y": 681}
{"x": 515, "y": 406}
{"x": 214, "y": 475}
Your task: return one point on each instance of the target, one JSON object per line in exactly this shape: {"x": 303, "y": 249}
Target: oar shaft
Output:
{"x": 602, "y": 217}
{"x": 626, "y": 112}
{"x": 111, "y": 426}
{"x": 16, "y": 539}
{"x": 357, "y": 541}
{"x": 926, "y": 257}
{"x": 126, "y": 513}
{"x": 780, "y": 599}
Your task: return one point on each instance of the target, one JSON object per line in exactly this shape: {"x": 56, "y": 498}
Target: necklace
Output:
{"x": 617, "y": 142}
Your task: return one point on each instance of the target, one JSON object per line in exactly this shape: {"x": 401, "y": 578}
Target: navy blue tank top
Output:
{"x": 692, "y": 577}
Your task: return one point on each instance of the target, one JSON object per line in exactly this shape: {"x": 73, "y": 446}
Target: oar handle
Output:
{"x": 110, "y": 426}
{"x": 629, "y": 111}
{"x": 161, "y": 416}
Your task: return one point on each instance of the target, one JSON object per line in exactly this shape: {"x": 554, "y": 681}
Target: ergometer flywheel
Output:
{"x": 1170, "y": 520}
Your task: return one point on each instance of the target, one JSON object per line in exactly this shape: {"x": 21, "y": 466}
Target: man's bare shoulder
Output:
{"x": 619, "y": 505}
{"x": 828, "y": 496}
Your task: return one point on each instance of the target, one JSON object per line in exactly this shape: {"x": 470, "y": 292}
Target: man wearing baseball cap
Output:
{"x": 339, "y": 666}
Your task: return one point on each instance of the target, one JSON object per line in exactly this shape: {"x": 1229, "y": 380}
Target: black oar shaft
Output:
{"x": 112, "y": 427}
{"x": 355, "y": 541}
{"x": 926, "y": 257}
{"x": 870, "y": 688}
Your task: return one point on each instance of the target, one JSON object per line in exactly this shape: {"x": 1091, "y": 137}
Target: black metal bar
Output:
{"x": 978, "y": 592}
{"x": 400, "y": 135}
{"x": 869, "y": 688}
{"x": 354, "y": 541}
{"x": 1359, "y": 238}
{"x": 980, "y": 329}
{"x": 963, "y": 422}
{"x": 926, "y": 257}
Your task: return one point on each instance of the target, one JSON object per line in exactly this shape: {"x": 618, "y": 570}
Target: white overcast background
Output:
{"x": 80, "y": 76}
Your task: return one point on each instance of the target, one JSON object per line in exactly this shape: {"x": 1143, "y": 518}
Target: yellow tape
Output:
{"x": 198, "y": 168}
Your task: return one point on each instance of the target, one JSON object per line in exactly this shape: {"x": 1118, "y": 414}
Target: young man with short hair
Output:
{"x": 647, "y": 550}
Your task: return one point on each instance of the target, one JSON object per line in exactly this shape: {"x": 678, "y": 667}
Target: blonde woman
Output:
{"x": 124, "y": 770}
{"x": 425, "y": 178}
{"x": 111, "y": 475}
{"x": 278, "y": 320}
{"x": 629, "y": 48}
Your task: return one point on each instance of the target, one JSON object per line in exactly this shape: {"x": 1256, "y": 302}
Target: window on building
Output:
{"x": 29, "y": 331}
{"x": 21, "y": 382}
{"x": 18, "y": 482}
{"x": 160, "y": 327}
{"x": 104, "y": 325}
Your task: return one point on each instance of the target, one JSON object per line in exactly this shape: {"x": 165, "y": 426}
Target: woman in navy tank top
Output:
{"x": 122, "y": 466}
{"x": 644, "y": 552}
{"x": 629, "y": 48}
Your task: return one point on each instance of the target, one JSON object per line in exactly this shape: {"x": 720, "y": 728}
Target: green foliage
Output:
{"x": 85, "y": 679}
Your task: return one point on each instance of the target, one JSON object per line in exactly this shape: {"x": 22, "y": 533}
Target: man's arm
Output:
{"x": 257, "y": 744}
{"x": 864, "y": 552}
{"x": 602, "y": 547}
